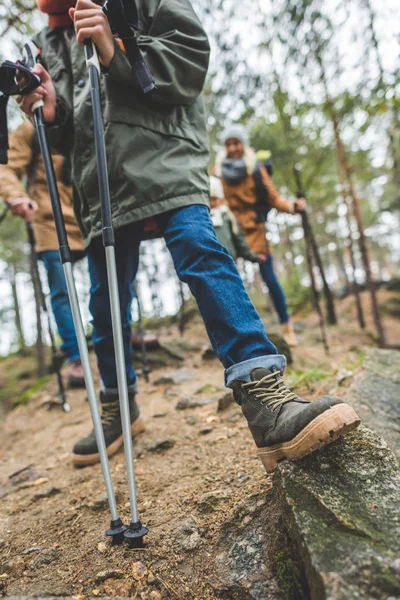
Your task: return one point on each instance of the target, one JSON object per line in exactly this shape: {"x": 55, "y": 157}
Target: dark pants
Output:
{"x": 275, "y": 290}
{"x": 59, "y": 301}
{"x": 233, "y": 325}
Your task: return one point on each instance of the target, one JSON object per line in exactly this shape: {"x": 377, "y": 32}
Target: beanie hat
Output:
{"x": 57, "y": 11}
{"x": 236, "y": 132}
{"x": 216, "y": 189}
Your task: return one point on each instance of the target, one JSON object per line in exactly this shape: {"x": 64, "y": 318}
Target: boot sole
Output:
{"x": 322, "y": 430}
{"x": 84, "y": 460}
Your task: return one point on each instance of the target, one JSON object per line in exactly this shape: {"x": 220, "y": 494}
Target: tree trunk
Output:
{"x": 18, "y": 321}
{"x": 330, "y": 305}
{"x": 345, "y": 171}
{"x": 40, "y": 346}
{"x": 354, "y": 286}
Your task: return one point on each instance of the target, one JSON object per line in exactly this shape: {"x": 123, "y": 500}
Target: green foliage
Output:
{"x": 32, "y": 391}
{"x": 299, "y": 296}
{"x": 305, "y": 379}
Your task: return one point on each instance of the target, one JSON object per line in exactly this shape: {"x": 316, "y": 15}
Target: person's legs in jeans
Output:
{"x": 127, "y": 258}
{"x": 275, "y": 289}
{"x": 233, "y": 324}
{"x": 127, "y": 261}
{"x": 60, "y": 303}
{"x": 282, "y": 424}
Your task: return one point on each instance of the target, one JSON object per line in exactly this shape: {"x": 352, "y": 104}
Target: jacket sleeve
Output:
{"x": 239, "y": 241}
{"x": 19, "y": 158}
{"x": 275, "y": 200}
{"x": 176, "y": 50}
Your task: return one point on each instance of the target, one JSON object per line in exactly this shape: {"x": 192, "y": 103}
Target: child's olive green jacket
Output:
{"x": 157, "y": 146}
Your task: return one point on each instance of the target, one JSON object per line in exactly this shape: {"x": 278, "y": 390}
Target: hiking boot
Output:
{"x": 283, "y": 424}
{"x": 85, "y": 451}
{"x": 289, "y": 335}
{"x": 75, "y": 374}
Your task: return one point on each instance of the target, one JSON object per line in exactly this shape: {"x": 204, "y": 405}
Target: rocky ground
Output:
{"x": 218, "y": 528}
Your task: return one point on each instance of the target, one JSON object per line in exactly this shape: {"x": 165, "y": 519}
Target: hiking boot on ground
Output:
{"x": 75, "y": 374}
{"x": 289, "y": 335}
{"x": 85, "y": 451}
{"x": 283, "y": 424}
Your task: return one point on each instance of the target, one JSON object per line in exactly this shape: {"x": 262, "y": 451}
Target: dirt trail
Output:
{"x": 194, "y": 496}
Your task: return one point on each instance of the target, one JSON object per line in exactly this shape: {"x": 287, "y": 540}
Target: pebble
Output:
{"x": 101, "y": 547}
{"x": 155, "y": 595}
{"x": 45, "y": 558}
{"x": 191, "y": 420}
{"x": 185, "y": 403}
{"x": 32, "y": 549}
{"x": 206, "y": 430}
{"x": 224, "y": 401}
{"x": 161, "y": 444}
{"x": 50, "y": 492}
{"x": 175, "y": 377}
{"x": 139, "y": 570}
{"x": 109, "y": 574}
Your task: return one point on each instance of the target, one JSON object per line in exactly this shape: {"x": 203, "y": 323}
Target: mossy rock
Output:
{"x": 342, "y": 512}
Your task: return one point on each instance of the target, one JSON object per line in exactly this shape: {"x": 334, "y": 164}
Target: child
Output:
{"x": 227, "y": 228}
{"x": 24, "y": 159}
{"x": 244, "y": 181}
{"x": 157, "y": 153}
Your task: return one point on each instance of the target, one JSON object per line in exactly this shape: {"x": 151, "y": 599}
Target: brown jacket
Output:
{"x": 20, "y": 156}
{"x": 241, "y": 200}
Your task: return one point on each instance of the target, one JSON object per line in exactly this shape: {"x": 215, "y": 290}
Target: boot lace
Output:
{"x": 273, "y": 396}
{"x": 109, "y": 413}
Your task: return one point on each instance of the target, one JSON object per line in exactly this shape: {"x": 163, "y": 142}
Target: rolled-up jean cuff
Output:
{"x": 133, "y": 387}
{"x": 243, "y": 369}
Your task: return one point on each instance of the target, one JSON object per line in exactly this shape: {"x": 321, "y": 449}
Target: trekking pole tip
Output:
{"x": 134, "y": 534}
{"x": 116, "y": 531}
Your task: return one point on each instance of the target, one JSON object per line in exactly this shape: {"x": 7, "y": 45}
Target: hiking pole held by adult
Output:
{"x": 309, "y": 257}
{"x": 135, "y": 533}
{"x": 56, "y": 359}
{"x": 330, "y": 307}
{"x": 26, "y": 86}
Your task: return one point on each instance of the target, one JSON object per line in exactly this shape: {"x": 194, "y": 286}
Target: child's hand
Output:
{"x": 45, "y": 92}
{"x": 91, "y": 22}
{"x": 23, "y": 207}
{"x": 262, "y": 258}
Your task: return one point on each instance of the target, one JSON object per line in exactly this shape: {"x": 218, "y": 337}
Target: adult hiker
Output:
{"x": 227, "y": 229}
{"x": 249, "y": 192}
{"x": 158, "y": 159}
{"x": 32, "y": 203}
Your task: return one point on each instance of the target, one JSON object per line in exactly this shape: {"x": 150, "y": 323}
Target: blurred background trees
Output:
{"x": 317, "y": 83}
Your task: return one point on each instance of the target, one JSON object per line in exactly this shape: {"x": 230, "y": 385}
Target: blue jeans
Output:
{"x": 275, "y": 290}
{"x": 59, "y": 301}
{"x": 233, "y": 325}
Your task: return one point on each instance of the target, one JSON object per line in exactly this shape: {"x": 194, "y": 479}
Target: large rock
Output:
{"x": 375, "y": 394}
{"x": 343, "y": 519}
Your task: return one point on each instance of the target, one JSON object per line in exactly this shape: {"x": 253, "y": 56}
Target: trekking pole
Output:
{"x": 145, "y": 360}
{"x": 330, "y": 307}
{"x": 181, "y": 323}
{"x": 135, "y": 532}
{"x": 56, "y": 360}
{"x": 117, "y": 528}
{"x": 314, "y": 291}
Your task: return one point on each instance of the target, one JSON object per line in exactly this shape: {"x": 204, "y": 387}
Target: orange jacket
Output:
{"x": 20, "y": 156}
{"x": 241, "y": 199}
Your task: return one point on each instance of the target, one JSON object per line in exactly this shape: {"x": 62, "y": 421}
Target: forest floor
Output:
{"x": 197, "y": 492}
